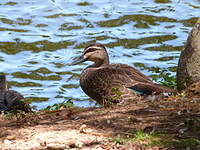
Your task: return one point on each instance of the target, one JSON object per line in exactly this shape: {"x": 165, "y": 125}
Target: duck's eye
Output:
{"x": 89, "y": 50}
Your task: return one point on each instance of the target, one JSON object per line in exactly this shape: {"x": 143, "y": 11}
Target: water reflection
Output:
{"x": 38, "y": 38}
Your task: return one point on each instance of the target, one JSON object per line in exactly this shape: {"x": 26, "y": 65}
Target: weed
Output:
{"x": 148, "y": 139}
{"x": 190, "y": 142}
{"x": 118, "y": 141}
{"x": 98, "y": 111}
{"x": 143, "y": 139}
{"x": 17, "y": 115}
{"x": 64, "y": 104}
{"x": 114, "y": 96}
{"x": 164, "y": 77}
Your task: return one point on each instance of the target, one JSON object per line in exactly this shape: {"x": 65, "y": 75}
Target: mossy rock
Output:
{"x": 188, "y": 71}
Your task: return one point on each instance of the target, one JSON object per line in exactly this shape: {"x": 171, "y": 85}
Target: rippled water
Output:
{"x": 39, "y": 37}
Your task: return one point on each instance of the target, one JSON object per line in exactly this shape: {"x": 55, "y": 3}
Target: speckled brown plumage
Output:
{"x": 107, "y": 83}
{"x": 10, "y": 99}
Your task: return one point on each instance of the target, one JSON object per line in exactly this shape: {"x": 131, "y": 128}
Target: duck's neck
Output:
{"x": 3, "y": 86}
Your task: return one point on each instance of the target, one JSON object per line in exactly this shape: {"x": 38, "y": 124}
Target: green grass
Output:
{"x": 142, "y": 139}
{"x": 148, "y": 139}
{"x": 152, "y": 139}
{"x": 164, "y": 77}
{"x": 141, "y": 136}
{"x": 64, "y": 104}
{"x": 189, "y": 142}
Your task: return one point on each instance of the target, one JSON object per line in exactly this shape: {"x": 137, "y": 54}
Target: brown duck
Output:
{"x": 10, "y": 99}
{"x": 109, "y": 83}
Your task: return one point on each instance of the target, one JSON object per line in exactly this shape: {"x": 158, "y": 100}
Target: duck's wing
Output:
{"x": 112, "y": 75}
{"x": 139, "y": 82}
{"x": 129, "y": 72}
{"x": 126, "y": 76}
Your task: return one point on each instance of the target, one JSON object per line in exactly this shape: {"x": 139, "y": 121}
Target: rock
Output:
{"x": 188, "y": 71}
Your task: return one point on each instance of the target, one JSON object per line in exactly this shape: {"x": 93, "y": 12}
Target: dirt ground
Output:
{"x": 177, "y": 118}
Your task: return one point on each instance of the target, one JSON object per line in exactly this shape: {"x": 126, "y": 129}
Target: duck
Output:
{"x": 108, "y": 83}
{"x": 11, "y": 100}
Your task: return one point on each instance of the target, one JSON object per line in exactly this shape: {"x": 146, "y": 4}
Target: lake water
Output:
{"x": 39, "y": 37}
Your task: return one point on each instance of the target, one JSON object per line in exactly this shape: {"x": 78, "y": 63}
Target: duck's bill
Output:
{"x": 78, "y": 60}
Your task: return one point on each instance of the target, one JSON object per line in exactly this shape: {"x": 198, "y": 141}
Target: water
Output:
{"x": 39, "y": 37}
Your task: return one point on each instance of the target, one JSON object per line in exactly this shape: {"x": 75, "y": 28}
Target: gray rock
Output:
{"x": 188, "y": 71}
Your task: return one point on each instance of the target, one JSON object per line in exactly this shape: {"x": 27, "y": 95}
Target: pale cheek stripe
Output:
{"x": 95, "y": 47}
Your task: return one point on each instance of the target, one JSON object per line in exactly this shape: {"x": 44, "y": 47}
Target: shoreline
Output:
{"x": 115, "y": 127}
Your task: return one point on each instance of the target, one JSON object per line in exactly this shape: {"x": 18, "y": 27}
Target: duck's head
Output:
{"x": 94, "y": 52}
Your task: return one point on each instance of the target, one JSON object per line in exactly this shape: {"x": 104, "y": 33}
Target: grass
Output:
{"x": 152, "y": 139}
{"x": 189, "y": 142}
{"x": 164, "y": 77}
{"x": 142, "y": 139}
{"x": 141, "y": 136}
{"x": 148, "y": 139}
{"x": 59, "y": 106}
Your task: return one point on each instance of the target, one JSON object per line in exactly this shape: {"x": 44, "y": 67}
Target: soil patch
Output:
{"x": 176, "y": 119}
